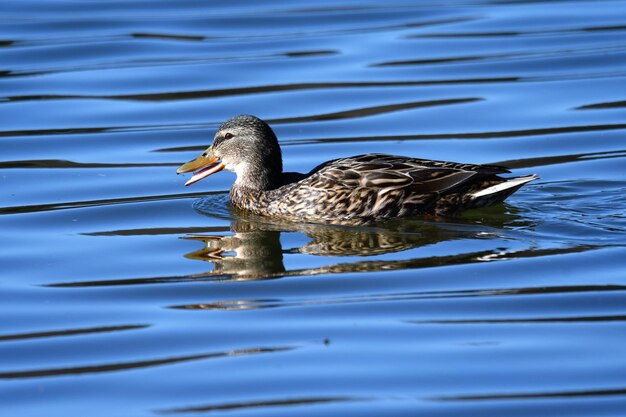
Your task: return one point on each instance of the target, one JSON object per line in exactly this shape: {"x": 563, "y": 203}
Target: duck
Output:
{"x": 358, "y": 189}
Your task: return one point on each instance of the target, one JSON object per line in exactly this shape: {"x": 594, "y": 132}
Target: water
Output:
{"x": 124, "y": 293}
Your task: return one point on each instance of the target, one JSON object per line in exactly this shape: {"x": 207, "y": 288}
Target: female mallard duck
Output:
{"x": 357, "y": 189}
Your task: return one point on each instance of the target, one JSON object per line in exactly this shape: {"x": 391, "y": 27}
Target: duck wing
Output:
{"x": 381, "y": 171}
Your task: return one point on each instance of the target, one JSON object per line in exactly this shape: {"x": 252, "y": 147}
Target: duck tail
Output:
{"x": 504, "y": 189}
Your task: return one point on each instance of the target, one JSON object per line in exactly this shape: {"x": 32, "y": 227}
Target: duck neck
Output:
{"x": 258, "y": 177}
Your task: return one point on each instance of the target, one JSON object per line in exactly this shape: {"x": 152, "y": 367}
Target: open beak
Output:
{"x": 204, "y": 165}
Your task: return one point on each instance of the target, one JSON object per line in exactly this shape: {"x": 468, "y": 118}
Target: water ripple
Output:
{"x": 92, "y": 203}
{"x": 71, "y": 332}
{"x": 537, "y": 395}
{"x": 257, "y": 404}
{"x": 124, "y": 366}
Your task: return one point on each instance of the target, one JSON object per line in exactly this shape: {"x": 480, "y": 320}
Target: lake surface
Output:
{"x": 124, "y": 293}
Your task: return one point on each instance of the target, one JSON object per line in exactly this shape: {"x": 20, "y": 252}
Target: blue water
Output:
{"x": 124, "y": 293}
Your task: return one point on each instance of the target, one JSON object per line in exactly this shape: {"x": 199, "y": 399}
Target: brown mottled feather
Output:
{"x": 372, "y": 186}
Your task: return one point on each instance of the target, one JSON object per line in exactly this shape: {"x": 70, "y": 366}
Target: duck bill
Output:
{"x": 204, "y": 165}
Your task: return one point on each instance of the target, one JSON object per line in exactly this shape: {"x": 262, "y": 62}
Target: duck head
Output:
{"x": 245, "y": 145}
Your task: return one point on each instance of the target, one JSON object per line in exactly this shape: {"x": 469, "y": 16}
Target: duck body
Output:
{"x": 379, "y": 186}
{"x": 357, "y": 189}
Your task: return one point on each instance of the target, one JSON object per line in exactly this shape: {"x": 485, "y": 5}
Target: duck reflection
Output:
{"x": 255, "y": 251}
{"x": 250, "y": 252}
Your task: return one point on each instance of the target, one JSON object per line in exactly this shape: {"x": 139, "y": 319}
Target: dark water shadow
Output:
{"x": 519, "y": 33}
{"x": 122, "y": 366}
{"x": 94, "y": 203}
{"x": 606, "y": 105}
{"x": 537, "y": 395}
{"x": 247, "y": 405}
{"x": 63, "y": 164}
{"x": 261, "y": 89}
{"x": 168, "y": 36}
{"x": 71, "y": 332}
{"x": 493, "y": 57}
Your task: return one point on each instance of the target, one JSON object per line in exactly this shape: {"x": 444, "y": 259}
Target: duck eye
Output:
{"x": 228, "y": 135}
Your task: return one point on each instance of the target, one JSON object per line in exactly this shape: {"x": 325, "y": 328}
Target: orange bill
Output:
{"x": 204, "y": 165}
